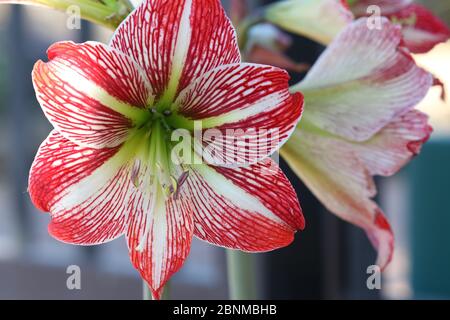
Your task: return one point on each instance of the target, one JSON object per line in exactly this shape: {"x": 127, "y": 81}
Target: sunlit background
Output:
{"x": 328, "y": 260}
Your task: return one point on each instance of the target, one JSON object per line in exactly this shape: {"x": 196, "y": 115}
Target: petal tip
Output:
{"x": 382, "y": 239}
{"x": 415, "y": 147}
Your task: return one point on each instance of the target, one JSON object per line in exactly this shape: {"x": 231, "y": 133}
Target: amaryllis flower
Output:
{"x": 108, "y": 167}
{"x": 320, "y": 20}
{"x": 359, "y": 121}
{"x": 422, "y": 30}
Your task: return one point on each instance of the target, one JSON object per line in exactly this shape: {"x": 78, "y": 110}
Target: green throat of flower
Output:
{"x": 150, "y": 146}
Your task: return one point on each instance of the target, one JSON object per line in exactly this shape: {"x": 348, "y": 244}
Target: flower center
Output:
{"x": 154, "y": 172}
{"x": 154, "y": 152}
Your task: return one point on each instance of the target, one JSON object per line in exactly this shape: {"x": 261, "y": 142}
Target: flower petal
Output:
{"x": 95, "y": 196}
{"x": 159, "y": 242}
{"x": 332, "y": 170}
{"x": 75, "y": 184}
{"x": 422, "y": 30}
{"x": 396, "y": 144}
{"x": 177, "y": 41}
{"x": 248, "y": 107}
{"x": 320, "y": 20}
{"x": 92, "y": 94}
{"x": 342, "y": 90}
{"x": 253, "y": 209}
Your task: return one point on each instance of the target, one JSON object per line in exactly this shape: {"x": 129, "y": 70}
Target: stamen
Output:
{"x": 181, "y": 180}
{"x": 173, "y": 186}
{"x": 135, "y": 173}
{"x": 166, "y": 126}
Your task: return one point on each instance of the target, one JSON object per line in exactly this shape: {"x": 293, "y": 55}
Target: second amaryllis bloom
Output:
{"x": 322, "y": 20}
{"x": 359, "y": 121}
{"x": 108, "y": 169}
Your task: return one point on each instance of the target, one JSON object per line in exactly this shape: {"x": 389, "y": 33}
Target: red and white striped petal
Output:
{"x": 95, "y": 196}
{"x": 245, "y": 110}
{"x": 362, "y": 81}
{"x": 332, "y": 170}
{"x": 422, "y": 30}
{"x": 159, "y": 238}
{"x": 396, "y": 144}
{"x": 177, "y": 41}
{"x": 319, "y": 20}
{"x": 253, "y": 209}
{"x": 92, "y": 94}
{"x": 359, "y": 7}
{"x": 76, "y": 185}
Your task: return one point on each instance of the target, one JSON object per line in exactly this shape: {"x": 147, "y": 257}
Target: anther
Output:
{"x": 181, "y": 180}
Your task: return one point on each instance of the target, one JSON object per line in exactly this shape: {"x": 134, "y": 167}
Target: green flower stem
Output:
{"x": 166, "y": 292}
{"x": 241, "y": 275}
{"x": 109, "y": 14}
{"x": 147, "y": 294}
